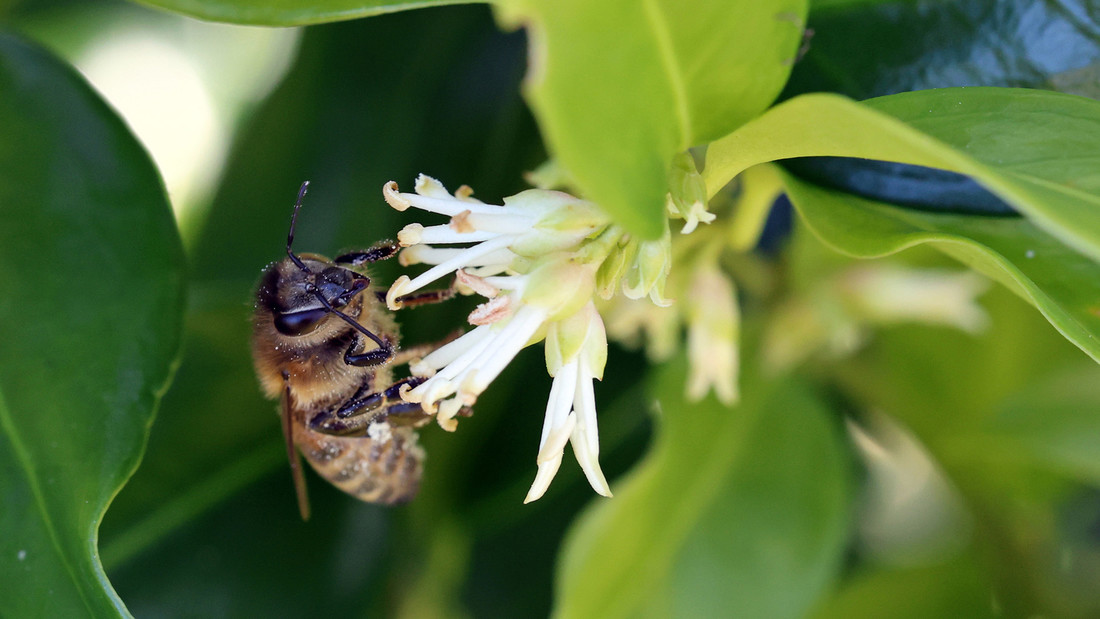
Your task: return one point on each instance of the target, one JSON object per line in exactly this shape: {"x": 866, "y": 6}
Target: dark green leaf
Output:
{"x": 866, "y": 48}
{"x": 252, "y": 556}
{"x": 735, "y": 509}
{"x": 289, "y": 12}
{"x": 90, "y": 310}
{"x": 614, "y": 109}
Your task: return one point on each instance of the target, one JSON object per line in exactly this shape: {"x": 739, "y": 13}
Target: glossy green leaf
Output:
{"x": 869, "y": 48}
{"x": 739, "y": 509}
{"x": 1034, "y": 149}
{"x": 1059, "y": 282}
{"x": 91, "y": 296}
{"x": 289, "y": 12}
{"x": 614, "y": 109}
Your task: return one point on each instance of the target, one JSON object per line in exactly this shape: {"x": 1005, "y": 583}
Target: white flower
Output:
{"x": 535, "y": 259}
{"x": 576, "y": 351}
{"x": 886, "y": 294}
{"x": 713, "y": 321}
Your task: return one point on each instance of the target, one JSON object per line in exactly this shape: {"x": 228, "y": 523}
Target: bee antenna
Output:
{"x": 293, "y": 220}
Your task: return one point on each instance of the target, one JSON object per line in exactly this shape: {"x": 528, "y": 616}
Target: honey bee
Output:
{"x": 324, "y": 342}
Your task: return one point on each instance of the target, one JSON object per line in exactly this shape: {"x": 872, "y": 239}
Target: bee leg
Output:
{"x": 406, "y": 414}
{"x": 287, "y": 415}
{"x": 379, "y": 251}
{"x": 376, "y": 356}
{"x": 421, "y": 298}
{"x": 360, "y": 403}
{"x": 352, "y": 417}
{"x": 347, "y": 418}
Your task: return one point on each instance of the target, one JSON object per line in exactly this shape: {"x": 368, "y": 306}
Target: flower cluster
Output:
{"x": 536, "y": 261}
{"x": 542, "y": 261}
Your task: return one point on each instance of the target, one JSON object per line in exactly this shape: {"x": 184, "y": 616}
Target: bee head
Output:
{"x": 302, "y": 292}
{"x": 300, "y": 298}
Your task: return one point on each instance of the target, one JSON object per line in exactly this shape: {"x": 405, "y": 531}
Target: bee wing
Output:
{"x": 292, "y": 454}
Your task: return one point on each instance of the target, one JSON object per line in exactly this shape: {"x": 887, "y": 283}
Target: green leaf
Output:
{"x": 1059, "y": 282}
{"x": 91, "y": 297}
{"x": 1050, "y": 44}
{"x": 1034, "y": 149}
{"x": 958, "y": 589}
{"x": 740, "y": 508}
{"x": 289, "y": 12}
{"x": 1054, "y": 425}
{"x": 614, "y": 109}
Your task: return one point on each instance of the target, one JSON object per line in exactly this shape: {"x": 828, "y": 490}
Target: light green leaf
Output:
{"x": 619, "y": 87}
{"x": 90, "y": 314}
{"x": 1061, "y": 283}
{"x": 1035, "y": 149}
{"x": 741, "y": 510}
{"x": 290, "y": 12}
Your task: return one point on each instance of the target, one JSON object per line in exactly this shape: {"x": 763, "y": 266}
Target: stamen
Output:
{"x": 493, "y": 310}
{"x": 476, "y": 284}
{"x": 426, "y": 254}
{"x": 445, "y": 234}
{"x": 449, "y": 352}
{"x": 460, "y": 260}
{"x": 468, "y": 358}
{"x": 514, "y": 336}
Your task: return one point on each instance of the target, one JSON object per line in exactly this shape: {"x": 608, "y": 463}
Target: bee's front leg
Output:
{"x": 427, "y": 297}
{"x": 379, "y": 251}
{"x": 376, "y": 356}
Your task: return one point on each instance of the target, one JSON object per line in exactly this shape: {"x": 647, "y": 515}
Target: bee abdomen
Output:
{"x": 384, "y": 469}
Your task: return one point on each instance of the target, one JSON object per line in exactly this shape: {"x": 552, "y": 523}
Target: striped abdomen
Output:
{"x": 382, "y": 467}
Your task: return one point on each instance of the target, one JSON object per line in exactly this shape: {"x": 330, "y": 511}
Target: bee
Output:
{"x": 324, "y": 343}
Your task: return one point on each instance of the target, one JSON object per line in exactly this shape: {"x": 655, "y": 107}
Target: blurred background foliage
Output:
{"x": 884, "y": 469}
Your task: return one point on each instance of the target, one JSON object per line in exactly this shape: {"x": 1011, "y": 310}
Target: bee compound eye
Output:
{"x": 298, "y": 323}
